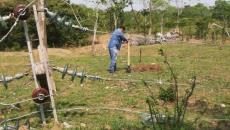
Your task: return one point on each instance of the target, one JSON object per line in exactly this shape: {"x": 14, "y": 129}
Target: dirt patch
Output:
{"x": 146, "y": 68}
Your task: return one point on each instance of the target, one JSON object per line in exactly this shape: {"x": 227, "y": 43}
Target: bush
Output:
{"x": 167, "y": 95}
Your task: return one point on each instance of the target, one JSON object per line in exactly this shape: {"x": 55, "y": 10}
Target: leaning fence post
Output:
{"x": 33, "y": 67}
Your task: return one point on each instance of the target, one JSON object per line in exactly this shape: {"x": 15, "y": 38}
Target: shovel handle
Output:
{"x": 128, "y": 53}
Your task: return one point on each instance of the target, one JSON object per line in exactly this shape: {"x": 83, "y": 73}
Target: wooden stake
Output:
{"x": 33, "y": 67}
{"x": 30, "y": 52}
{"x": 128, "y": 54}
{"x": 129, "y": 67}
{"x": 140, "y": 60}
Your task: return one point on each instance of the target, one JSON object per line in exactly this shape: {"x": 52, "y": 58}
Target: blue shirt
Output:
{"x": 116, "y": 39}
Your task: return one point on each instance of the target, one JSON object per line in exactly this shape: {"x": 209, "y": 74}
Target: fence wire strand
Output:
{"x": 87, "y": 109}
{"x": 16, "y": 22}
{"x": 23, "y": 101}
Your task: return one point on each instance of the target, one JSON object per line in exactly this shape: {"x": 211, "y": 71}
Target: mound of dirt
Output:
{"x": 146, "y": 68}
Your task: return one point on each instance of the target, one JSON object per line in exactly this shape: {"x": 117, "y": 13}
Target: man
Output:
{"x": 114, "y": 46}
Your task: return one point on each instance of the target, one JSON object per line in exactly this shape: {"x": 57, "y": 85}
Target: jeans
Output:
{"x": 113, "y": 57}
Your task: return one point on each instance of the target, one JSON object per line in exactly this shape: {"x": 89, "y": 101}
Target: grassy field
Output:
{"x": 207, "y": 62}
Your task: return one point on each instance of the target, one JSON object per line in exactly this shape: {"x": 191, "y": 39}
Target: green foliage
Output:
{"x": 175, "y": 121}
{"x": 198, "y": 17}
{"x": 58, "y": 35}
{"x": 202, "y": 28}
{"x": 167, "y": 95}
{"x": 193, "y": 21}
{"x": 116, "y": 13}
{"x": 221, "y": 10}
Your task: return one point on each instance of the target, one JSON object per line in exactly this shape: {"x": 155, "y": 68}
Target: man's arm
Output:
{"x": 123, "y": 38}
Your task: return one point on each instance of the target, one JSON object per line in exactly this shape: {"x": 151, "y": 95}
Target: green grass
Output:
{"x": 207, "y": 62}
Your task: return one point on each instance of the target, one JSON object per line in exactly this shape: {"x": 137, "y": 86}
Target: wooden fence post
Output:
{"x": 43, "y": 55}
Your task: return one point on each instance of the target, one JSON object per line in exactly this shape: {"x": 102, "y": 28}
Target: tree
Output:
{"x": 156, "y": 5}
{"x": 117, "y": 12}
{"x": 197, "y": 17}
{"x": 221, "y": 10}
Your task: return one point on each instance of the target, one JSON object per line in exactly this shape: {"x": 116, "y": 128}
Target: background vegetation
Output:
{"x": 193, "y": 21}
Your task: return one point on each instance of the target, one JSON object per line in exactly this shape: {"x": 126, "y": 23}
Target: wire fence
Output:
{"x": 24, "y": 101}
{"x": 201, "y": 89}
{"x": 72, "y": 9}
{"x": 87, "y": 109}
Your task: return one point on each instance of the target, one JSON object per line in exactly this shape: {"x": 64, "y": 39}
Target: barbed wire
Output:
{"x": 76, "y": 108}
{"x": 74, "y": 73}
{"x": 20, "y": 117}
{"x": 80, "y": 74}
{"x": 6, "y": 79}
{"x": 16, "y": 76}
{"x": 16, "y": 21}
{"x": 70, "y": 5}
{"x": 23, "y": 101}
{"x": 91, "y": 108}
{"x": 100, "y": 108}
{"x": 11, "y": 29}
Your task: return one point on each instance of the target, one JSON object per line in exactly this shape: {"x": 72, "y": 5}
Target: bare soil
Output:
{"x": 146, "y": 68}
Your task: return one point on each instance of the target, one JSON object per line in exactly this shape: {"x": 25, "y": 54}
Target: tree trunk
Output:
{"x": 115, "y": 20}
{"x": 162, "y": 24}
{"x": 150, "y": 14}
{"x": 95, "y": 32}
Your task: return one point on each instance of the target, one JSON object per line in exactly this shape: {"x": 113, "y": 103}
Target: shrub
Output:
{"x": 167, "y": 95}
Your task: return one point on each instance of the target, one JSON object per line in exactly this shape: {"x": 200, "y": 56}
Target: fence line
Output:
{"x": 93, "y": 77}
{"x": 91, "y": 108}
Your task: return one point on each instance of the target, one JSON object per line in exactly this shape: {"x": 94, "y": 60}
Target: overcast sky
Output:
{"x": 139, "y": 4}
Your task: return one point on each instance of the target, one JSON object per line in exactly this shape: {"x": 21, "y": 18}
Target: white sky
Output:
{"x": 139, "y": 4}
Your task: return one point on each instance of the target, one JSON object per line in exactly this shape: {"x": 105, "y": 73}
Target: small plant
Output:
{"x": 167, "y": 95}
{"x": 168, "y": 121}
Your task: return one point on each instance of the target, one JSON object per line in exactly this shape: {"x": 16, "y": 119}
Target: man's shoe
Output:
{"x": 115, "y": 67}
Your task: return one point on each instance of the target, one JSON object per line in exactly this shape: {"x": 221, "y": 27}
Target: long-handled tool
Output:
{"x": 128, "y": 62}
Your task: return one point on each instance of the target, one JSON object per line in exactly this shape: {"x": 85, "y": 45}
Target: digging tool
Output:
{"x": 128, "y": 62}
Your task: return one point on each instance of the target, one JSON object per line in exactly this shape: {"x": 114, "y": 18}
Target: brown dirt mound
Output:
{"x": 146, "y": 68}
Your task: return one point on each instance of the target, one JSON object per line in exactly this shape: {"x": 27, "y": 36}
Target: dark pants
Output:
{"x": 113, "y": 57}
